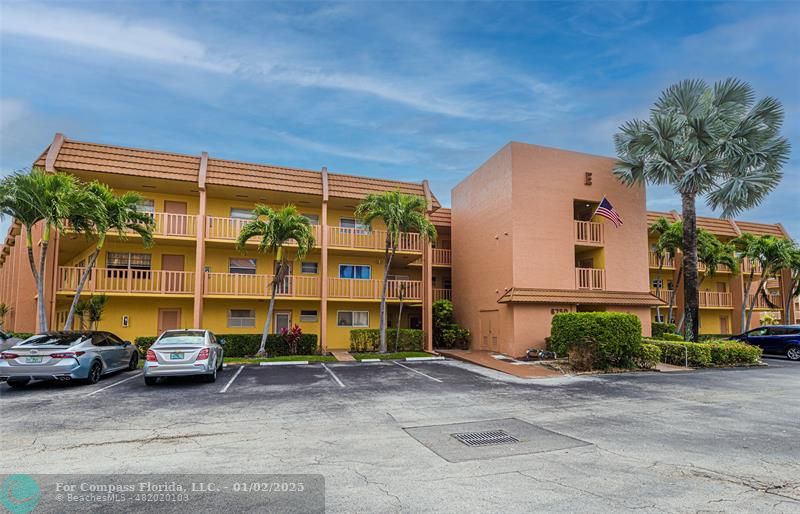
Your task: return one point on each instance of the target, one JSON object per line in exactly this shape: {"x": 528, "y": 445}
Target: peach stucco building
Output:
{"x": 519, "y": 245}
{"x": 525, "y": 245}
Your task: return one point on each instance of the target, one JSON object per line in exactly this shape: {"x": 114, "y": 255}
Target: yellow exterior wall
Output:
{"x": 192, "y": 202}
{"x": 710, "y": 321}
{"x": 215, "y": 314}
{"x": 339, "y": 337}
{"x": 221, "y": 207}
{"x": 142, "y": 314}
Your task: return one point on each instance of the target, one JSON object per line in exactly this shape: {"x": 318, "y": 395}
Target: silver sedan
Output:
{"x": 184, "y": 352}
{"x": 66, "y": 356}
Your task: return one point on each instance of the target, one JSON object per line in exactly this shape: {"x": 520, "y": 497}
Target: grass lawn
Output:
{"x": 390, "y": 356}
{"x": 284, "y": 358}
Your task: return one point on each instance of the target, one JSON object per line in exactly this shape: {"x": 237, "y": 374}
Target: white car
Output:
{"x": 184, "y": 352}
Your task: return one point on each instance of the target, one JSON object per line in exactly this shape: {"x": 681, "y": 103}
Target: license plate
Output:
{"x": 33, "y": 360}
{"x": 175, "y": 356}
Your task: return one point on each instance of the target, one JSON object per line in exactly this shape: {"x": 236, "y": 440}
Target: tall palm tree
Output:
{"x": 37, "y": 197}
{"x": 400, "y": 213}
{"x": 276, "y": 229}
{"x": 794, "y": 286}
{"x": 658, "y": 228}
{"x": 771, "y": 254}
{"x": 713, "y": 142}
{"x": 110, "y": 214}
{"x": 670, "y": 242}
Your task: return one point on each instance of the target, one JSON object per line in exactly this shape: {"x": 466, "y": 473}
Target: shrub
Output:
{"x": 666, "y": 336}
{"x": 446, "y": 332}
{"x": 712, "y": 337}
{"x": 584, "y": 355}
{"x": 21, "y": 335}
{"x": 618, "y": 335}
{"x": 366, "y": 340}
{"x": 649, "y": 356}
{"x": 246, "y": 345}
{"x": 659, "y": 329}
{"x": 711, "y": 353}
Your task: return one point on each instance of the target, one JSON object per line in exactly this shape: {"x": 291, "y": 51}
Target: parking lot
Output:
{"x": 715, "y": 440}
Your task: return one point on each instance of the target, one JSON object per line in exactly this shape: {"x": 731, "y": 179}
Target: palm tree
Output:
{"x": 400, "y": 213}
{"x": 3, "y": 313}
{"x": 713, "y": 142}
{"x": 669, "y": 243}
{"x": 42, "y": 198}
{"x": 794, "y": 286}
{"x": 81, "y": 310}
{"x": 277, "y": 228}
{"x": 111, "y": 213}
{"x": 771, "y": 254}
{"x": 658, "y": 228}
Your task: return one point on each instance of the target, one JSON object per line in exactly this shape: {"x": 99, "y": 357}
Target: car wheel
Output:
{"x": 94, "y": 373}
{"x": 151, "y": 381}
{"x": 793, "y": 353}
{"x": 18, "y": 383}
{"x": 212, "y": 377}
{"x": 134, "y": 363}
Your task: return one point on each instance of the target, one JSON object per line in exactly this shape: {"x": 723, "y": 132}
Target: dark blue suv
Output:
{"x": 775, "y": 339}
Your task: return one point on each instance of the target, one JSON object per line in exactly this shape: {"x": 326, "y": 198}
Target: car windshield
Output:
{"x": 183, "y": 337}
{"x": 53, "y": 339}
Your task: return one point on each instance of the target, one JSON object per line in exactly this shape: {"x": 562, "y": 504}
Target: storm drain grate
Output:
{"x": 487, "y": 438}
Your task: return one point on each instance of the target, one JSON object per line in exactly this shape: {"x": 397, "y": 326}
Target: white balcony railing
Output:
{"x": 588, "y": 232}
{"x": 238, "y": 284}
{"x": 371, "y": 289}
{"x": 590, "y": 278}
{"x": 109, "y": 280}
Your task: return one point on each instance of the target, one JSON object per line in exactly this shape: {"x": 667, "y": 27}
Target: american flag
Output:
{"x": 606, "y": 210}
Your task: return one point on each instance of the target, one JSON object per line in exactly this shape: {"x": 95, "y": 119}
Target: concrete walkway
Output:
{"x": 342, "y": 355}
{"x": 486, "y": 359}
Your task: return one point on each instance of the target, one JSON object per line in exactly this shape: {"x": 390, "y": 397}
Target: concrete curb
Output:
{"x": 370, "y": 360}
{"x": 282, "y": 363}
{"x": 436, "y": 358}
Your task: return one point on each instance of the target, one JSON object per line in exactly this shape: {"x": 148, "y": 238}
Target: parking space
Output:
{"x": 263, "y": 381}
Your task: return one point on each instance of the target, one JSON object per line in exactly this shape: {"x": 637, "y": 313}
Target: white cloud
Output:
{"x": 383, "y": 155}
{"x": 108, "y": 34}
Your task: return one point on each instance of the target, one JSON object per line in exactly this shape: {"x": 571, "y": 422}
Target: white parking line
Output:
{"x": 417, "y": 372}
{"x": 232, "y": 379}
{"x": 333, "y": 375}
{"x": 115, "y": 384}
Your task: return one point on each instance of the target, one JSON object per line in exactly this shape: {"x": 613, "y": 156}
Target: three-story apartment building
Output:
{"x": 521, "y": 244}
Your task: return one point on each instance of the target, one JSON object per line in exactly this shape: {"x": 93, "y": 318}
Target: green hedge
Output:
{"x": 618, "y": 335}
{"x": 659, "y": 329}
{"x": 711, "y": 353}
{"x": 365, "y": 340}
{"x": 666, "y": 336}
{"x": 246, "y": 345}
{"x": 21, "y": 335}
{"x": 711, "y": 337}
{"x": 446, "y": 332}
{"x": 649, "y": 356}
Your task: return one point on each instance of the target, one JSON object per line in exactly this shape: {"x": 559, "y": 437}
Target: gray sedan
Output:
{"x": 184, "y": 352}
{"x": 66, "y": 356}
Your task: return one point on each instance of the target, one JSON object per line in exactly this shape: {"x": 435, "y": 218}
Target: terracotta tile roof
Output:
{"x": 567, "y": 296}
{"x": 80, "y": 156}
{"x": 717, "y": 226}
{"x": 93, "y": 157}
{"x": 441, "y": 217}
{"x": 653, "y": 216}
{"x": 760, "y": 229}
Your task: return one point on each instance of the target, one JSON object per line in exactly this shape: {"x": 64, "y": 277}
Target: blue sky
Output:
{"x": 405, "y": 90}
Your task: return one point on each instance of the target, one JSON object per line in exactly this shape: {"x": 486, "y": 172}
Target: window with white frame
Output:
{"x": 356, "y": 271}
{"x": 354, "y": 225}
{"x": 352, "y": 319}
{"x": 308, "y": 316}
{"x": 309, "y": 268}
{"x": 148, "y": 206}
{"x": 312, "y": 218}
{"x": 242, "y": 214}
{"x": 238, "y": 318}
{"x": 126, "y": 260}
{"x": 658, "y": 283}
{"x": 241, "y": 266}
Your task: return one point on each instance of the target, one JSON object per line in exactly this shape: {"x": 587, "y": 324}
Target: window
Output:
{"x": 148, "y": 206}
{"x": 397, "y": 277}
{"x": 355, "y": 271}
{"x": 658, "y": 283}
{"x": 238, "y": 318}
{"x": 312, "y": 218}
{"x": 242, "y": 214}
{"x": 309, "y": 268}
{"x": 242, "y": 266}
{"x": 308, "y": 316}
{"x": 352, "y": 319}
{"x": 354, "y": 225}
{"x": 119, "y": 263}
{"x": 448, "y": 284}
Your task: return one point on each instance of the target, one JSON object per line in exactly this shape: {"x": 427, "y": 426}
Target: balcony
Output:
{"x": 171, "y": 225}
{"x": 260, "y": 286}
{"x": 761, "y": 302}
{"x": 715, "y": 300}
{"x": 748, "y": 266}
{"x": 356, "y": 289}
{"x": 668, "y": 263}
{"x": 442, "y": 294}
{"x": 662, "y": 294}
{"x": 228, "y": 229}
{"x": 441, "y": 258}
{"x": 590, "y": 278}
{"x": 127, "y": 281}
{"x": 339, "y": 237}
{"x": 588, "y": 233}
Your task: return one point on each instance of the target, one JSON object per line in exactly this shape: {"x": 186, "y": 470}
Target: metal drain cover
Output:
{"x": 487, "y": 438}
{"x": 490, "y": 439}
